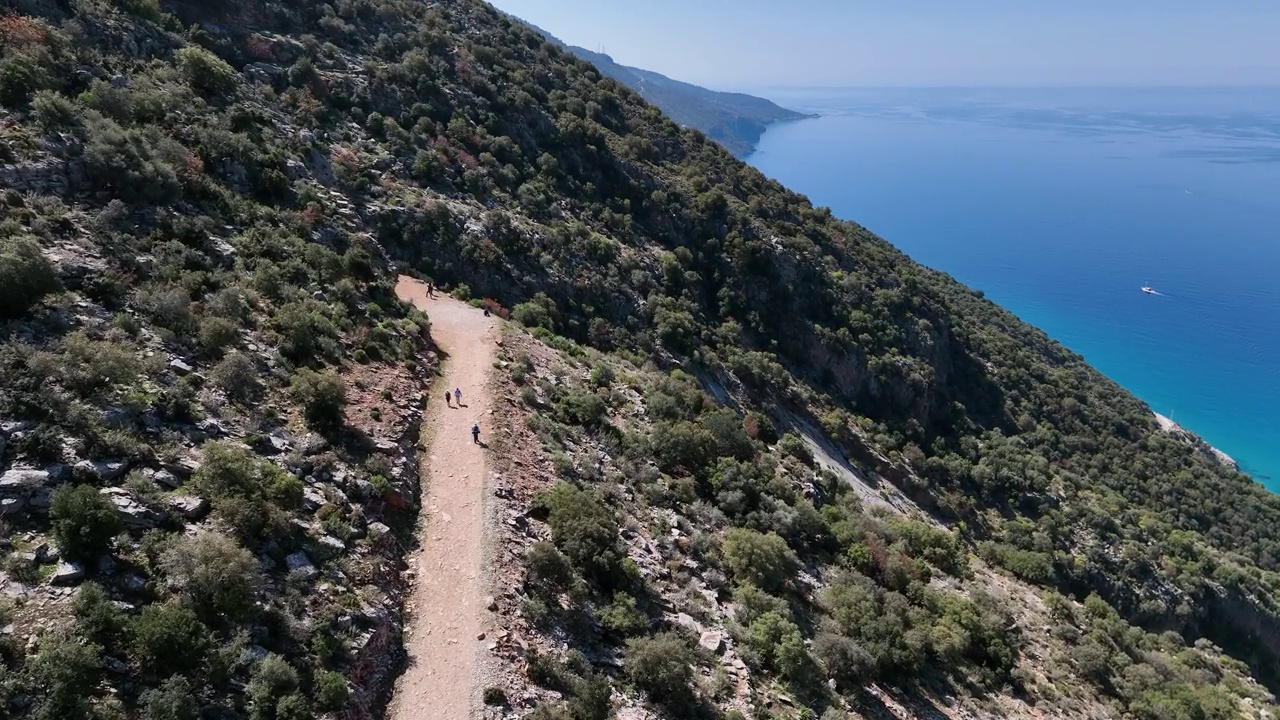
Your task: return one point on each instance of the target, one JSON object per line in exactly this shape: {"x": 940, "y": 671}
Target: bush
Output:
{"x": 20, "y": 76}
{"x": 219, "y": 576}
{"x": 661, "y": 666}
{"x": 777, "y": 642}
{"x": 26, "y": 276}
{"x": 273, "y": 679}
{"x": 217, "y": 333}
{"x": 547, "y": 572}
{"x": 175, "y": 699}
{"x": 622, "y": 618}
{"x": 64, "y": 671}
{"x": 683, "y": 446}
{"x": 584, "y": 530}
{"x": 306, "y": 332}
{"x": 323, "y": 397}
{"x": 168, "y": 638}
{"x": 762, "y": 560}
{"x": 137, "y": 165}
{"x": 83, "y": 522}
{"x": 237, "y": 376}
{"x": 97, "y": 618}
{"x": 330, "y": 691}
{"x": 53, "y": 111}
{"x": 844, "y": 660}
{"x": 531, "y": 314}
{"x": 206, "y": 71}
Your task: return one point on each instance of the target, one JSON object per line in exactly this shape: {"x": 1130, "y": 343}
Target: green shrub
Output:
{"x": 168, "y": 638}
{"x": 83, "y": 522}
{"x": 237, "y": 376}
{"x": 306, "y": 332}
{"x": 762, "y": 560}
{"x": 97, "y": 618}
{"x": 63, "y": 672}
{"x": 217, "y": 334}
{"x": 661, "y": 667}
{"x": 330, "y": 691}
{"x": 323, "y": 397}
{"x": 175, "y": 699}
{"x": 584, "y": 530}
{"x": 1034, "y": 567}
{"x": 622, "y": 618}
{"x": 795, "y": 446}
{"x": 273, "y": 679}
{"x": 20, "y": 76}
{"x": 531, "y": 314}
{"x": 547, "y": 571}
{"x": 683, "y": 446}
{"x": 844, "y": 660}
{"x": 26, "y": 276}
{"x": 53, "y": 111}
{"x": 777, "y": 642}
{"x": 136, "y": 165}
{"x": 206, "y": 71}
{"x": 731, "y": 438}
{"x": 219, "y": 576}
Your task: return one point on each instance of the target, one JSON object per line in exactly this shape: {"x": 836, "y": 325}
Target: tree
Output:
{"x": 219, "y": 576}
{"x": 84, "y": 522}
{"x": 206, "y": 71}
{"x": 330, "y": 690}
{"x": 64, "y": 670}
{"x": 97, "y": 618}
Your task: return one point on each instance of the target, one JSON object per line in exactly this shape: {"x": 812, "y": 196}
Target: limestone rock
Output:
{"x": 299, "y": 562}
{"x": 67, "y": 573}
{"x": 189, "y": 506}
{"x": 135, "y": 515}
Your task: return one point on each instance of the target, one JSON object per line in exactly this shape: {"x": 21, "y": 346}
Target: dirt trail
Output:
{"x": 446, "y": 609}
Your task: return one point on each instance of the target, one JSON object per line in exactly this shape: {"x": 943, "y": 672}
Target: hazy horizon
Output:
{"x": 744, "y": 44}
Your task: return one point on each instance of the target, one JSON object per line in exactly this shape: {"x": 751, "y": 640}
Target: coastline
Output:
{"x": 1173, "y": 428}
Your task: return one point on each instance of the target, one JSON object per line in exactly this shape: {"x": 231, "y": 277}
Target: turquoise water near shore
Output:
{"x": 1061, "y": 204}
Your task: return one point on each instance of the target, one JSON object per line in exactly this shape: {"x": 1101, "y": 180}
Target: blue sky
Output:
{"x": 754, "y": 43}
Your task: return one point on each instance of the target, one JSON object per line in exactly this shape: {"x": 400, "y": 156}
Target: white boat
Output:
{"x": 1150, "y": 290}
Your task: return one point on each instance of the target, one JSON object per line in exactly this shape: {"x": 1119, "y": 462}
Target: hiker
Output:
{"x": 448, "y": 398}
{"x": 457, "y": 396}
{"x": 431, "y": 289}
{"x": 475, "y": 433}
{"x": 486, "y": 312}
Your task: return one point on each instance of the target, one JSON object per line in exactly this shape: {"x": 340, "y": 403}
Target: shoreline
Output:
{"x": 1173, "y": 428}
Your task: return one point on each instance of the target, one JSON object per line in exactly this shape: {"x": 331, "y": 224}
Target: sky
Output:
{"x": 744, "y": 44}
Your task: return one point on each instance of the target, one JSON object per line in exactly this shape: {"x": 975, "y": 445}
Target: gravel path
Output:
{"x": 446, "y": 610}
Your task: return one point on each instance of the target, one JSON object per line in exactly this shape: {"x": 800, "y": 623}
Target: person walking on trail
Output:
{"x": 457, "y": 396}
{"x": 475, "y": 433}
{"x": 448, "y": 398}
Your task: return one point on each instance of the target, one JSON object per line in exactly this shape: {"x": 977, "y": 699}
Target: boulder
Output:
{"x": 179, "y": 366}
{"x": 12, "y": 506}
{"x": 299, "y": 562}
{"x": 166, "y": 478}
{"x": 189, "y": 506}
{"x": 134, "y": 514}
{"x": 106, "y": 470}
{"x": 67, "y": 573}
{"x": 20, "y": 482}
{"x": 711, "y": 641}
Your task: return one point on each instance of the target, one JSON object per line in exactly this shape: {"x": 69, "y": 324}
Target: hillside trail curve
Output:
{"x": 446, "y": 606}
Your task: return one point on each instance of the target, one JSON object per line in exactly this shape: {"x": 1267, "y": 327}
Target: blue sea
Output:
{"x": 1061, "y": 204}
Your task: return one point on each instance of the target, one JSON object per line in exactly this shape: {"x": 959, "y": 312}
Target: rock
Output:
{"x": 67, "y": 573}
{"x": 179, "y": 366}
{"x": 135, "y": 583}
{"x": 116, "y": 666}
{"x": 377, "y": 530}
{"x": 686, "y": 620}
{"x": 183, "y": 468}
{"x": 313, "y": 444}
{"x": 299, "y": 562}
{"x": 106, "y": 470}
{"x": 189, "y": 506}
{"x": 330, "y": 542}
{"x": 211, "y": 427}
{"x": 257, "y": 653}
{"x": 22, "y": 481}
{"x": 491, "y": 604}
{"x": 12, "y": 506}
{"x": 46, "y": 553}
{"x": 711, "y": 641}
{"x": 135, "y": 515}
{"x": 312, "y": 499}
{"x": 167, "y": 479}
{"x": 106, "y": 565}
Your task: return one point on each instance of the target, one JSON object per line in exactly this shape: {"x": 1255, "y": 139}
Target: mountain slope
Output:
{"x": 720, "y": 389}
{"x": 735, "y": 120}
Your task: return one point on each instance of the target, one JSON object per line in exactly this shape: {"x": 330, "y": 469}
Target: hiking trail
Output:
{"x": 446, "y": 612}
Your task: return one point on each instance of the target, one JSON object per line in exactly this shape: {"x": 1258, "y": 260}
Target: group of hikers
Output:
{"x": 455, "y": 397}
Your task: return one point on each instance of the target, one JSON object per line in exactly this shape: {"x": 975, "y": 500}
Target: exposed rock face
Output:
{"x": 136, "y": 516}
{"x": 67, "y": 573}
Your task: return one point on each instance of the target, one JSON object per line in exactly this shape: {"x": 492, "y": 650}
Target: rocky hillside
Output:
{"x": 759, "y": 464}
{"x": 735, "y": 120}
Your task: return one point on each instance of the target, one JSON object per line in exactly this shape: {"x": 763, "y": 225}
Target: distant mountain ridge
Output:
{"x": 735, "y": 120}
